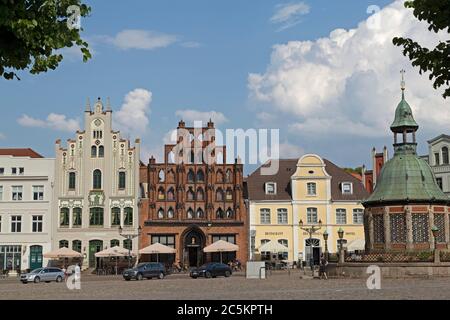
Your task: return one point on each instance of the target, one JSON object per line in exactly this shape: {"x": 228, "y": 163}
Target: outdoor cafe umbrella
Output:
{"x": 62, "y": 253}
{"x": 157, "y": 248}
{"x": 273, "y": 246}
{"x": 115, "y": 251}
{"x": 221, "y": 246}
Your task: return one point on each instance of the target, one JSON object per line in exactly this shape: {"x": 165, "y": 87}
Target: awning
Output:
{"x": 62, "y": 253}
{"x": 157, "y": 248}
{"x": 113, "y": 252}
{"x": 358, "y": 244}
{"x": 221, "y": 246}
{"x": 273, "y": 246}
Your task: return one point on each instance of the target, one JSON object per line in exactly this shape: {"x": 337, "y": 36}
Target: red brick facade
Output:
{"x": 189, "y": 203}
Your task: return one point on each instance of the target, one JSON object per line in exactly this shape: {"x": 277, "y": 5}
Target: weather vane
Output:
{"x": 403, "y": 84}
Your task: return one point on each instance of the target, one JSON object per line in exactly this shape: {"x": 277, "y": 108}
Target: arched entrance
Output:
{"x": 312, "y": 251}
{"x": 193, "y": 244}
{"x": 35, "y": 257}
{"x": 94, "y": 247}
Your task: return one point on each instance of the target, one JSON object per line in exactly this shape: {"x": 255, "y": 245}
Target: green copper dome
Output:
{"x": 403, "y": 117}
{"x": 406, "y": 178}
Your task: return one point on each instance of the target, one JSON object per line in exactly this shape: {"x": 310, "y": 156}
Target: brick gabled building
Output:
{"x": 193, "y": 198}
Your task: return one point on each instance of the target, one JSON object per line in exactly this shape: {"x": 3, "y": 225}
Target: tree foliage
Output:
{"x": 436, "y": 61}
{"x": 31, "y": 32}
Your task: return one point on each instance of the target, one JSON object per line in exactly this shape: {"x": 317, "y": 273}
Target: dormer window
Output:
{"x": 311, "y": 188}
{"x": 347, "y": 188}
{"x": 271, "y": 188}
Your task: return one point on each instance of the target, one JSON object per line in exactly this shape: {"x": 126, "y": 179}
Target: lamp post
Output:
{"x": 435, "y": 231}
{"x": 130, "y": 236}
{"x": 341, "y": 236}
{"x": 325, "y": 238}
{"x": 310, "y": 231}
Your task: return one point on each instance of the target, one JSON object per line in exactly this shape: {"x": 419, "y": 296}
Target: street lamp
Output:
{"x": 129, "y": 236}
{"x": 341, "y": 236}
{"x": 325, "y": 238}
{"x": 310, "y": 231}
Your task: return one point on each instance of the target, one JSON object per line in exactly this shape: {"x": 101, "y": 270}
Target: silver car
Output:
{"x": 43, "y": 274}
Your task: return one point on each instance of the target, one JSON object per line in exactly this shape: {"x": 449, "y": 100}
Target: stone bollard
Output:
{"x": 341, "y": 256}
{"x": 437, "y": 256}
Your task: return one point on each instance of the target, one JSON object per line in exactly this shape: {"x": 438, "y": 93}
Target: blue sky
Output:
{"x": 199, "y": 56}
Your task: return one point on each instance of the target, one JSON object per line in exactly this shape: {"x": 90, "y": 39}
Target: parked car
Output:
{"x": 211, "y": 270}
{"x": 43, "y": 274}
{"x": 147, "y": 270}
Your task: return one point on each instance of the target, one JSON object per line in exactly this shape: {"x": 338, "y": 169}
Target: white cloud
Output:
{"x": 349, "y": 82}
{"x": 140, "y": 39}
{"x": 2, "y": 136}
{"x": 132, "y": 118}
{"x": 288, "y": 15}
{"x": 53, "y": 121}
{"x": 289, "y": 150}
{"x": 190, "y": 116}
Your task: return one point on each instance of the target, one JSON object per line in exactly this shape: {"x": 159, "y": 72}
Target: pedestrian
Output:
{"x": 323, "y": 267}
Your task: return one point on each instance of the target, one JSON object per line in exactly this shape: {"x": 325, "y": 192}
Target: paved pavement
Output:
{"x": 280, "y": 285}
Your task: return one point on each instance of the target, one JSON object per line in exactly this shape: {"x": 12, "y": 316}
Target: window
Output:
{"x": 16, "y": 223}
{"x": 282, "y": 216}
{"x": 64, "y": 217}
{"x": 283, "y": 255}
{"x": 1, "y": 193}
{"x": 444, "y": 155}
{"x": 161, "y": 195}
{"x": 231, "y": 238}
{"x": 341, "y": 216}
{"x": 170, "y": 213}
{"x": 37, "y": 224}
{"x": 228, "y": 176}
{"x": 200, "y": 194}
{"x": 311, "y": 188}
{"x": 94, "y": 151}
{"x": 264, "y": 216}
{"x": 347, "y": 188}
{"x": 439, "y": 182}
{"x": 200, "y": 176}
{"x": 13, "y": 170}
{"x": 167, "y": 240}
{"x": 2, "y": 171}
{"x": 219, "y": 195}
{"x": 311, "y": 215}
{"x": 101, "y": 151}
{"x": 122, "y": 180}
{"x": 97, "y": 179}
{"x": 190, "y": 213}
{"x": 38, "y": 193}
{"x": 161, "y": 213}
{"x": 171, "y": 194}
{"x": 63, "y": 243}
{"x": 76, "y": 245}
{"x": 72, "y": 180}
{"x": 229, "y": 194}
{"x": 96, "y": 216}
{"x": 114, "y": 243}
{"x": 128, "y": 244}
{"x": 358, "y": 216}
{"x": 17, "y": 192}
{"x": 190, "y": 176}
{"x": 115, "y": 216}
{"x": 128, "y": 219}
{"x": 220, "y": 214}
{"x": 190, "y": 194}
{"x": 200, "y": 214}
{"x": 436, "y": 158}
{"x": 21, "y": 171}
{"x": 271, "y": 188}
{"x": 76, "y": 218}
{"x": 230, "y": 213}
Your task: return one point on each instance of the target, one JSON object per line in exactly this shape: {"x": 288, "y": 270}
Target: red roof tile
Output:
{"x": 20, "y": 152}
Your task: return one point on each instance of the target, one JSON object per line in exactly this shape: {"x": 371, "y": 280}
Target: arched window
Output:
{"x": 190, "y": 194}
{"x": 219, "y": 176}
{"x": 101, "y": 151}
{"x": 230, "y": 213}
{"x": 229, "y": 176}
{"x": 161, "y": 175}
{"x": 72, "y": 180}
{"x": 128, "y": 216}
{"x": 200, "y": 214}
{"x": 229, "y": 194}
{"x": 94, "y": 151}
{"x": 220, "y": 214}
{"x": 200, "y": 194}
{"x": 64, "y": 217}
{"x": 445, "y": 155}
{"x": 114, "y": 243}
{"x": 76, "y": 245}
{"x": 161, "y": 213}
{"x": 97, "y": 179}
{"x": 115, "y": 216}
{"x": 200, "y": 175}
{"x": 122, "y": 180}
{"x": 219, "y": 194}
{"x": 171, "y": 194}
{"x": 96, "y": 216}
{"x": 170, "y": 213}
{"x": 190, "y": 176}
{"x": 190, "y": 213}
{"x": 161, "y": 193}
{"x": 76, "y": 217}
{"x": 63, "y": 243}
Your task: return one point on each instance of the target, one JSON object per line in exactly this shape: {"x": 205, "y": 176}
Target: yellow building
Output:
{"x": 304, "y": 193}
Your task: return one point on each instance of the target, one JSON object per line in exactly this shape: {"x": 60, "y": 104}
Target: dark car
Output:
{"x": 211, "y": 270}
{"x": 145, "y": 270}
{"x": 43, "y": 274}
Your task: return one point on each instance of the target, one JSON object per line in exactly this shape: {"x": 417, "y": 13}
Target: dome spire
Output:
{"x": 403, "y": 83}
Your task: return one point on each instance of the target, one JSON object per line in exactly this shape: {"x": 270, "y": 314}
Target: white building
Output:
{"x": 438, "y": 158}
{"x": 96, "y": 188}
{"x": 26, "y": 182}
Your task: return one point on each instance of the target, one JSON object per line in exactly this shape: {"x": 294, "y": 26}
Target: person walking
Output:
{"x": 323, "y": 267}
